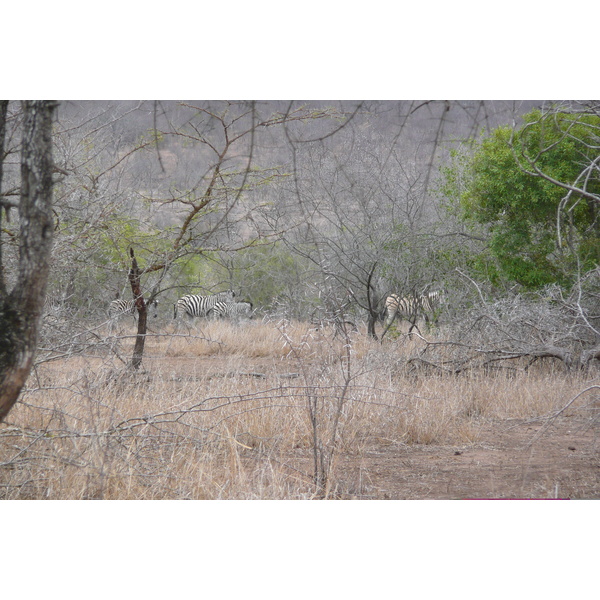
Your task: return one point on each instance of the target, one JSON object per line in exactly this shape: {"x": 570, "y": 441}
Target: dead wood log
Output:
{"x": 552, "y": 352}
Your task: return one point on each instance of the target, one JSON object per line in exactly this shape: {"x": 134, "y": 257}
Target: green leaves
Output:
{"x": 517, "y": 184}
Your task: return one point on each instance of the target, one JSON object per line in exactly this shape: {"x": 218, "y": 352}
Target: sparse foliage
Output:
{"x": 314, "y": 213}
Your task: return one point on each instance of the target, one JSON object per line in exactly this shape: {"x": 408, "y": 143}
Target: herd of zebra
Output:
{"x": 223, "y": 305}
{"x": 215, "y": 306}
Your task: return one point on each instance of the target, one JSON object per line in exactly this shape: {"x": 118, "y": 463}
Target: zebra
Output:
{"x": 127, "y": 307}
{"x": 413, "y": 307}
{"x": 198, "y": 306}
{"x": 235, "y": 310}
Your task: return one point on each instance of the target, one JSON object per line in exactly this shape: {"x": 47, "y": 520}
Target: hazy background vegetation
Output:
{"x": 320, "y": 210}
{"x": 292, "y": 195}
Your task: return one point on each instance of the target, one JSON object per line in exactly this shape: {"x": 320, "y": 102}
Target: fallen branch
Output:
{"x": 553, "y": 352}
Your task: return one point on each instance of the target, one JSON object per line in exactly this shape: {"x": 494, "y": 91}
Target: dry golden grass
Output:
{"x": 222, "y": 411}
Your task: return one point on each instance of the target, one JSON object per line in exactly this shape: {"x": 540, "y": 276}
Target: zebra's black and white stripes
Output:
{"x": 127, "y": 307}
{"x": 232, "y": 310}
{"x": 195, "y": 305}
{"x": 412, "y": 308}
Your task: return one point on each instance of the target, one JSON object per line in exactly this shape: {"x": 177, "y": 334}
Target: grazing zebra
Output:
{"x": 199, "y": 306}
{"x": 127, "y": 307}
{"x": 235, "y": 310}
{"x": 412, "y": 308}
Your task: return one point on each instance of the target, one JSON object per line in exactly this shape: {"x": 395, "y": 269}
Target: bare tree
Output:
{"x": 365, "y": 222}
{"x": 21, "y": 307}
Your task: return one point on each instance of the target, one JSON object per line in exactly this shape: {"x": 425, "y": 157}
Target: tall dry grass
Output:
{"x": 257, "y": 410}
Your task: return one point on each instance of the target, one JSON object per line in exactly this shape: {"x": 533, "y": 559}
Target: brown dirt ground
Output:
{"x": 511, "y": 459}
{"x": 507, "y": 462}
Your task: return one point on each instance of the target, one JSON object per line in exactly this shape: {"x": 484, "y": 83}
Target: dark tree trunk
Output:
{"x": 372, "y": 303}
{"x": 136, "y": 288}
{"x": 371, "y": 321}
{"x": 3, "y": 113}
{"x": 20, "y": 310}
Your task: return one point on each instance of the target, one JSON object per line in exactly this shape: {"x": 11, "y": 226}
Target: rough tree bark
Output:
{"x": 3, "y": 113}
{"x": 136, "y": 288}
{"x": 21, "y": 308}
{"x": 372, "y": 303}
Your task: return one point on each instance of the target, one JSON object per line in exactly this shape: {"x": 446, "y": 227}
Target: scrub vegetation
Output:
{"x": 480, "y": 217}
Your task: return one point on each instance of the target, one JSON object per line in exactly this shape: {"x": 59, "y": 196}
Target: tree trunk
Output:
{"x": 21, "y": 309}
{"x": 371, "y": 322}
{"x": 136, "y": 288}
{"x": 372, "y": 304}
{"x": 3, "y": 113}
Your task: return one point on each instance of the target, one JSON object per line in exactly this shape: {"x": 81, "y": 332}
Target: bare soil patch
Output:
{"x": 511, "y": 459}
{"x": 506, "y": 462}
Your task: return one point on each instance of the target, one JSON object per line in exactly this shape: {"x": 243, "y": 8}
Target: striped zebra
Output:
{"x": 127, "y": 307}
{"x": 412, "y": 308}
{"x": 195, "y": 305}
{"x": 233, "y": 310}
